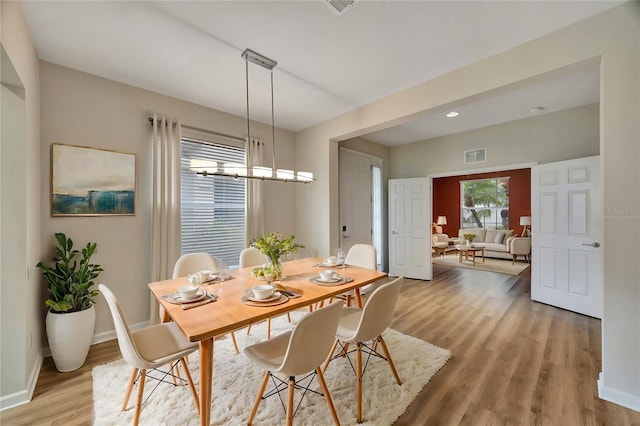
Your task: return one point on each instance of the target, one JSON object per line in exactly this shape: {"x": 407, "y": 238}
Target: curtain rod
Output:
{"x": 205, "y": 131}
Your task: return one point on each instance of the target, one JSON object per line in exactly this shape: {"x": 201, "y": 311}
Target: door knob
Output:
{"x": 394, "y": 232}
{"x": 593, "y": 244}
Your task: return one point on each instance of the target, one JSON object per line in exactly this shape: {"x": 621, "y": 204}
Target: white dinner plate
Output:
{"x": 275, "y": 296}
{"x": 330, "y": 280}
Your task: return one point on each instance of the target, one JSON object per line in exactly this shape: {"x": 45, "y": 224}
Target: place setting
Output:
{"x": 264, "y": 295}
{"x": 329, "y": 277}
{"x": 190, "y": 296}
{"x": 206, "y": 277}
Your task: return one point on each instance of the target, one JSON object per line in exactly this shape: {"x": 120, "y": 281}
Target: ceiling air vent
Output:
{"x": 340, "y": 6}
{"x": 475, "y": 156}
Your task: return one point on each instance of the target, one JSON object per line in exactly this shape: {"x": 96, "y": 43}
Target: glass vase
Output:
{"x": 273, "y": 271}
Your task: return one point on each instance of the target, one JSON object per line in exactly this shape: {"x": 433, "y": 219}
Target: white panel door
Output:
{"x": 566, "y": 261}
{"x": 410, "y": 228}
{"x": 356, "y": 211}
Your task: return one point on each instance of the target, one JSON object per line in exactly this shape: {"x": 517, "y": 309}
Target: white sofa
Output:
{"x": 503, "y": 244}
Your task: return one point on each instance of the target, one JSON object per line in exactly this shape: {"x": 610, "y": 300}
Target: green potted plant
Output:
{"x": 469, "y": 238}
{"x": 71, "y": 314}
{"x": 274, "y": 245}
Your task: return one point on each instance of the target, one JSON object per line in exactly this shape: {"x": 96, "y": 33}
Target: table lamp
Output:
{"x": 442, "y": 220}
{"x": 525, "y": 221}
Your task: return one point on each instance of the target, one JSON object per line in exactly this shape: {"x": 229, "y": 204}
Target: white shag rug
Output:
{"x": 236, "y": 381}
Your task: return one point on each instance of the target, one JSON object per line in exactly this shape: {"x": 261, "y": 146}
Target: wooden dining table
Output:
{"x": 229, "y": 312}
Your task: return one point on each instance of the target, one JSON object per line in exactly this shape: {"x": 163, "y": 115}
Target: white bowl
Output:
{"x": 262, "y": 291}
{"x": 189, "y": 292}
{"x": 331, "y": 260}
{"x": 328, "y": 274}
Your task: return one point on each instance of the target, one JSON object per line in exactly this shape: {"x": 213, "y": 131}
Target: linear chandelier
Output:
{"x": 235, "y": 170}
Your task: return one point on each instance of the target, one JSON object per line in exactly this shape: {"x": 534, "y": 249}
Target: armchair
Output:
{"x": 520, "y": 246}
{"x": 439, "y": 243}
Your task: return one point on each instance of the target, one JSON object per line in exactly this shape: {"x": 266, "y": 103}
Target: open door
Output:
{"x": 410, "y": 228}
{"x": 566, "y": 259}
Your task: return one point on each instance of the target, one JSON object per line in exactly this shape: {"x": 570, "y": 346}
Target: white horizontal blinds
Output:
{"x": 213, "y": 207}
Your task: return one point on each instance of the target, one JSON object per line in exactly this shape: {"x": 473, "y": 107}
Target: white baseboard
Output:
{"x": 620, "y": 398}
{"x": 111, "y": 335}
{"x": 104, "y": 336}
{"x": 24, "y": 396}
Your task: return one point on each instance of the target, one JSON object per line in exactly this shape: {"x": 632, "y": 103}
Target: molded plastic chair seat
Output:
{"x": 149, "y": 348}
{"x": 367, "y": 324}
{"x": 160, "y": 344}
{"x": 297, "y": 352}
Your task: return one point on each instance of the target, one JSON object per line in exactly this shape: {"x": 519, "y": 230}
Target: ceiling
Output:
{"x": 328, "y": 64}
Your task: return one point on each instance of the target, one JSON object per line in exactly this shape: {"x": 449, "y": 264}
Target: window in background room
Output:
{"x": 212, "y": 207}
{"x": 485, "y": 203}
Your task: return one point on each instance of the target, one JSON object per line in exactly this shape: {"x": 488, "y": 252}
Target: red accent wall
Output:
{"x": 446, "y": 198}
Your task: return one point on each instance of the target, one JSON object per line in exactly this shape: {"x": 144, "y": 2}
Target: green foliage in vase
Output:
{"x": 69, "y": 282}
{"x": 469, "y": 237}
{"x": 274, "y": 245}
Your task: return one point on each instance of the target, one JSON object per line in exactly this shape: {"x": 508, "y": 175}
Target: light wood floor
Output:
{"x": 515, "y": 362}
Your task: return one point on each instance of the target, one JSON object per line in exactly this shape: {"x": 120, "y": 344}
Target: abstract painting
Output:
{"x": 92, "y": 182}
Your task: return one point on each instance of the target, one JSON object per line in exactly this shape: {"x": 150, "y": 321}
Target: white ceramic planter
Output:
{"x": 69, "y": 337}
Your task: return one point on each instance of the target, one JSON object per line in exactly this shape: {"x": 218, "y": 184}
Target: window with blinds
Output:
{"x": 212, "y": 207}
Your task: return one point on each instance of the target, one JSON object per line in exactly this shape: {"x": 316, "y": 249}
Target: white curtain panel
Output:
{"x": 254, "y": 204}
{"x": 165, "y": 242}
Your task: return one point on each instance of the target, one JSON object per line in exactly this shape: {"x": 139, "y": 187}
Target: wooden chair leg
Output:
{"x": 249, "y": 329}
{"x": 187, "y": 375}
{"x": 389, "y": 360}
{"x": 345, "y": 349}
{"x": 359, "y": 383}
{"x": 263, "y": 386}
{"x": 328, "y": 360}
{"x": 233, "y": 340}
{"x": 292, "y": 387}
{"x": 136, "y": 417}
{"x": 268, "y": 328}
{"x": 327, "y": 396}
{"x": 132, "y": 380}
{"x": 289, "y": 316}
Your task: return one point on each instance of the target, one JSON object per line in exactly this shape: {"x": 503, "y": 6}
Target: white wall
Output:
{"x": 613, "y": 38}
{"x": 557, "y": 136}
{"x": 83, "y": 109}
{"x": 20, "y": 290}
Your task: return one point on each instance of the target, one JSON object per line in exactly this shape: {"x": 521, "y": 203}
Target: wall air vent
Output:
{"x": 340, "y": 6}
{"x": 475, "y": 156}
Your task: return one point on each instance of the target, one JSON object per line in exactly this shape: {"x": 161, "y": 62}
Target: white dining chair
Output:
{"x": 360, "y": 326}
{"x": 147, "y": 349}
{"x": 364, "y": 256}
{"x": 294, "y": 353}
{"x": 251, "y": 256}
{"x": 194, "y": 262}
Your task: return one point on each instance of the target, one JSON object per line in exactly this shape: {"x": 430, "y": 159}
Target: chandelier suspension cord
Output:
{"x": 273, "y": 127}
{"x": 246, "y": 63}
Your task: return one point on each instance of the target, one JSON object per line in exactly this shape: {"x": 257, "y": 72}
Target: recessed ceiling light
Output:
{"x": 535, "y": 110}
{"x": 452, "y": 114}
